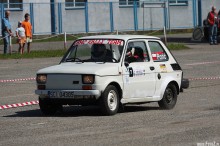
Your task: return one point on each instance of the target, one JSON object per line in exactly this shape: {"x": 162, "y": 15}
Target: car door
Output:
{"x": 160, "y": 58}
{"x": 139, "y": 76}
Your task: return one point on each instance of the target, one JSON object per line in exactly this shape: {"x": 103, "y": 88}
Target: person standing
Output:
{"x": 20, "y": 33}
{"x": 6, "y": 31}
{"x": 213, "y": 26}
{"x": 28, "y": 31}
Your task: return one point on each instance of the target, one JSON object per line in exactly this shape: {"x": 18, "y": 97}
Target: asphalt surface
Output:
{"x": 194, "y": 120}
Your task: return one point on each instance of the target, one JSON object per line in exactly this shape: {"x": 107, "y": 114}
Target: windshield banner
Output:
{"x": 99, "y": 41}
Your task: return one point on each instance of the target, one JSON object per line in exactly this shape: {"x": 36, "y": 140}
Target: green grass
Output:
{"x": 49, "y": 38}
{"x": 176, "y": 46}
{"x": 34, "y": 54}
{"x": 54, "y": 38}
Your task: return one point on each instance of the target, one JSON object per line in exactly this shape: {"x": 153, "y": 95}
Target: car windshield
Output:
{"x": 102, "y": 50}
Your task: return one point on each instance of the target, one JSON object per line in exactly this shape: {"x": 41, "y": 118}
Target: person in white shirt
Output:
{"x": 20, "y": 33}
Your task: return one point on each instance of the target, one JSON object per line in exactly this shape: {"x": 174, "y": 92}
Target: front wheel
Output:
{"x": 109, "y": 101}
{"x": 169, "y": 98}
{"x": 47, "y": 107}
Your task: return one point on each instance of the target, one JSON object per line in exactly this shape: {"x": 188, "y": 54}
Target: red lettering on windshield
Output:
{"x": 114, "y": 42}
{"x": 80, "y": 42}
{"x": 95, "y": 41}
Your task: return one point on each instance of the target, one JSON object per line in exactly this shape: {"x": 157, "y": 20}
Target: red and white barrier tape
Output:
{"x": 18, "y": 105}
{"x": 15, "y": 80}
{"x": 207, "y": 78}
{"x": 37, "y": 102}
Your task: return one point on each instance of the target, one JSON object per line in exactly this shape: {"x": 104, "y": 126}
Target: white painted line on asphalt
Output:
{"x": 19, "y": 95}
{"x": 4, "y": 67}
{"x": 15, "y": 105}
{"x": 201, "y": 63}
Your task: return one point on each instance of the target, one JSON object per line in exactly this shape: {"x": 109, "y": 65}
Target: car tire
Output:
{"x": 47, "y": 107}
{"x": 109, "y": 101}
{"x": 169, "y": 98}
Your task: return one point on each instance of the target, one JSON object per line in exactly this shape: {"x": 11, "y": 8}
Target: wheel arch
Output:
{"x": 164, "y": 86}
{"x": 118, "y": 88}
{"x": 176, "y": 85}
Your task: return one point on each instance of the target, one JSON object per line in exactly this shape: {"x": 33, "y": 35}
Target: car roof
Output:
{"x": 124, "y": 37}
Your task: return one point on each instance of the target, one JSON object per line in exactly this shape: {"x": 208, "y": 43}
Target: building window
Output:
{"x": 179, "y": 2}
{"x": 128, "y": 2}
{"x": 75, "y": 4}
{"x": 13, "y": 4}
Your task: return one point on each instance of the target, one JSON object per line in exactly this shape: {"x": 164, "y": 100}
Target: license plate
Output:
{"x": 61, "y": 94}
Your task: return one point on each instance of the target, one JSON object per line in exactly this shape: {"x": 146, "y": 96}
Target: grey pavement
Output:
{"x": 194, "y": 120}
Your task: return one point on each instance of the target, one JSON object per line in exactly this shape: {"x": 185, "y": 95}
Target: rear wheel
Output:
{"x": 109, "y": 101}
{"x": 169, "y": 98}
{"x": 47, "y": 107}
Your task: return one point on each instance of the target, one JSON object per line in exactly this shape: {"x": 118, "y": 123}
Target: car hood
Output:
{"x": 98, "y": 68}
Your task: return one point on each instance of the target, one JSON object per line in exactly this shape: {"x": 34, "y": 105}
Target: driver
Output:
{"x": 98, "y": 52}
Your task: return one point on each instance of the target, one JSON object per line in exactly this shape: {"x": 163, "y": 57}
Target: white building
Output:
{"x": 76, "y": 16}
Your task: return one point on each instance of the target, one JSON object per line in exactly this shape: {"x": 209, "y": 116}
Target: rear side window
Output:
{"x": 157, "y": 52}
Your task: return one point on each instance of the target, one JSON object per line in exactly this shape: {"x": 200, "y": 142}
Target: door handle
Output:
{"x": 152, "y": 68}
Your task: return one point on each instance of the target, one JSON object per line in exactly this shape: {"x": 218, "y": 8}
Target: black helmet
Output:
{"x": 98, "y": 51}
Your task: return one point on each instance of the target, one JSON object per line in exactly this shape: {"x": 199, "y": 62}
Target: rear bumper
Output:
{"x": 184, "y": 84}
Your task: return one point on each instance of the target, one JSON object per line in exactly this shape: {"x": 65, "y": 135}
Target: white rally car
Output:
{"x": 111, "y": 71}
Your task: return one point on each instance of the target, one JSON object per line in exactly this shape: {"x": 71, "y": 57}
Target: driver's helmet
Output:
{"x": 98, "y": 51}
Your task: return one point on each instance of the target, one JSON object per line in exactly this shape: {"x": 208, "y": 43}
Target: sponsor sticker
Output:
{"x": 163, "y": 68}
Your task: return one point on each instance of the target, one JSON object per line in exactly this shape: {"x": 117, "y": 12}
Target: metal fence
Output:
{"x": 57, "y": 18}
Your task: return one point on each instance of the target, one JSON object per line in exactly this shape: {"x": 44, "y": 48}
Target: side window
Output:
{"x": 75, "y": 4}
{"x": 128, "y": 2}
{"x": 12, "y": 4}
{"x": 137, "y": 52}
{"x": 157, "y": 52}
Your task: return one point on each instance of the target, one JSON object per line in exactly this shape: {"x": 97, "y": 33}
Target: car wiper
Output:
{"x": 74, "y": 59}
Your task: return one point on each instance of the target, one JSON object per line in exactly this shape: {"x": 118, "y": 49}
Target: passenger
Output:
{"x": 135, "y": 54}
{"x": 138, "y": 54}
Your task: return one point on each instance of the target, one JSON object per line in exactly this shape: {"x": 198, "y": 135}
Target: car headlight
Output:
{"x": 41, "y": 78}
{"x": 88, "y": 79}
